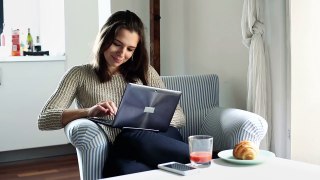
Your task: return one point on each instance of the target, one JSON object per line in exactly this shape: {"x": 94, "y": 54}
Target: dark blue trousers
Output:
{"x": 141, "y": 150}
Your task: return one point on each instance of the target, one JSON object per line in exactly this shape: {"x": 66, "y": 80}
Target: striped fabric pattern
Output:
{"x": 92, "y": 147}
{"x": 200, "y": 93}
{"x": 229, "y": 126}
{"x": 200, "y": 101}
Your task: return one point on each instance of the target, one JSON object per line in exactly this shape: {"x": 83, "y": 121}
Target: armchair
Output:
{"x": 200, "y": 103}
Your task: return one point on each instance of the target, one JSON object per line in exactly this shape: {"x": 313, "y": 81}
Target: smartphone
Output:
{"x": 178, "y": 168}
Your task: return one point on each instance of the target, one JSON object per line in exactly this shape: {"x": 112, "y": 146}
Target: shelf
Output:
{"x": 32, "y": 58}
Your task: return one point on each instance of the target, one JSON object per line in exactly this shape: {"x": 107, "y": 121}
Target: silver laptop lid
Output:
{"x": 146, "y": 107}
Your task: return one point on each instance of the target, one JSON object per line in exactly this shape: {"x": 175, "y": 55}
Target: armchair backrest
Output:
{"x": 200, "y": 93}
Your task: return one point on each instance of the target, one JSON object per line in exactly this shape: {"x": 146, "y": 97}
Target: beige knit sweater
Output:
{"x": 81, "y": 84}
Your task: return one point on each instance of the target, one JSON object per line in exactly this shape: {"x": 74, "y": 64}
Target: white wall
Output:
{"x": 104, "y": 11}
{"x": 52, "y": 26}
{"x": 82, "y": 26}
{"x": 202, "y": 37}
{"x": 16, "y": 16}
{"x": 305, "y": 74}
{"x": 172, "y": 37}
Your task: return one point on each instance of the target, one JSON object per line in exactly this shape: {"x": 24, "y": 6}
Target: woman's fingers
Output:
{"x": 109, "y": 106}
{"x": 103, "y": 108}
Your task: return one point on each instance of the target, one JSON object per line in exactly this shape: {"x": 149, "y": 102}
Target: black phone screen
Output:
{"x": 180, "y": 167}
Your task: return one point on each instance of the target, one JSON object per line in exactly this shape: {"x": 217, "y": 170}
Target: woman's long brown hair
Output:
{"x": 136, "y": 67}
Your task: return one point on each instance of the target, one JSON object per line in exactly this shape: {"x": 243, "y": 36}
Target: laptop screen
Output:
{"x": 146, "y": 107}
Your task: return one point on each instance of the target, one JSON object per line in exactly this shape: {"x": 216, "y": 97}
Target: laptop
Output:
{"x": 144, "y": 107}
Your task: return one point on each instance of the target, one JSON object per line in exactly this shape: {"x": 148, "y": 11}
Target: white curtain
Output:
{"x": 259, "y": 90}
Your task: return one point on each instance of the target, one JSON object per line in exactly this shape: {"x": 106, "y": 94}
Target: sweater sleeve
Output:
{"x": 178, "y": 119}
{"x": 61, "y": 99}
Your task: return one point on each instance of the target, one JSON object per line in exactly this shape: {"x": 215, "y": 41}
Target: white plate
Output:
{"x": 262, "y": 156}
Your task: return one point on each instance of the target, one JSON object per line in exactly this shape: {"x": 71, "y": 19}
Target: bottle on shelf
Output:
{"x": 6, "y": 41}
{"x": 29, "y": 41}
{"x": 15, "y": 43}
{"x": 37, "y": 45}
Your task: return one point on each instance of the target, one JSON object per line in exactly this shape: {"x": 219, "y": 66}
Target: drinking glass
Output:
{"x": 200, "y": 148}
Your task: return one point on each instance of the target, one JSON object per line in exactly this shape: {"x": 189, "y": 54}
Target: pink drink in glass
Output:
{"x": 200, "y": 148}
{"x": 200, "y": 157}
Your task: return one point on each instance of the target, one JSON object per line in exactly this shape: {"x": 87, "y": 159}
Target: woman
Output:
{"x": 120, "y": 58}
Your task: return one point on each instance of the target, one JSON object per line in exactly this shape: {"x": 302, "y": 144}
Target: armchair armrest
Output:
{"x": 91, "y": 144}
{"x": 229, "y": 126}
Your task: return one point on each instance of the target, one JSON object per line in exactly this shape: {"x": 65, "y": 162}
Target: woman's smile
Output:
{"x": 117, "y": 59}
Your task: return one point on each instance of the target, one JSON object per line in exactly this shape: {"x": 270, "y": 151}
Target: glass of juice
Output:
{"x": 200, "y": 148}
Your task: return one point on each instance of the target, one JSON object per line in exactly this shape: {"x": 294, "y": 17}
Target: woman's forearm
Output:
{"x": 69, "y": 115}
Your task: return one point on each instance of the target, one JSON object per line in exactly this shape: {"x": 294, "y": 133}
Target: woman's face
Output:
{"x": 121, "y": 49}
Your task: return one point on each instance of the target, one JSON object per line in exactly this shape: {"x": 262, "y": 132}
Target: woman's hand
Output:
{"x": 103, "y": 108}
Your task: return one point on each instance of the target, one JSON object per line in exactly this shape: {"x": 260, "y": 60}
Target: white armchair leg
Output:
{"x": 91, "y": 144}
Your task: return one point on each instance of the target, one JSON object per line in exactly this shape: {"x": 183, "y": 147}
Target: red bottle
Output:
{"x": 15, "y": 43}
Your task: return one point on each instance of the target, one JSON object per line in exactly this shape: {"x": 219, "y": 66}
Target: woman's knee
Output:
{"x": 173, "y": 132}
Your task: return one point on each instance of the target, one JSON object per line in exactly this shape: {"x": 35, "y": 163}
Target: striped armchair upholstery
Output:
{"x": 91, "y": 145}
{"x": 200, "y": 103}
{"x": 200, "y": 94}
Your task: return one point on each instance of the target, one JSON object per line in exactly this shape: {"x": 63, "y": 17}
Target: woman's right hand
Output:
{"x": 103, "y": 108}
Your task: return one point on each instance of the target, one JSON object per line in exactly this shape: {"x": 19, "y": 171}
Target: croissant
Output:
{"x": 245, "y": 150}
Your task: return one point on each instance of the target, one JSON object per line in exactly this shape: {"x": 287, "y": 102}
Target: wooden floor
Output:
{"x": 53, "y": 168}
